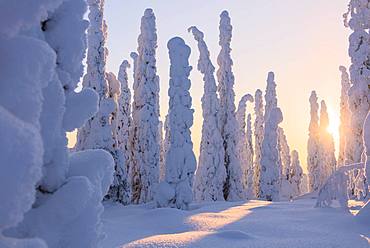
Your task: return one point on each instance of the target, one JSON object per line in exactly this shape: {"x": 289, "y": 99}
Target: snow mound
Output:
{"x": 233, "y": 234}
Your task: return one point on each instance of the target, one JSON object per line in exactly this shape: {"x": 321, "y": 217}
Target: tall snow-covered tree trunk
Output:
{"x": 296, "y": 175}
{"x": 145, "y": 113}
{"x": 242, "y": 138}
{"x": 285, "y": 158}
{"x": 250, "y": 154}
{"x": 233, "y": 188}
{"x": 313, "y": 146}
{"x": 211, "y": 172}
{"x": 176, "y": 190}
{"x": 270, "y": 181}
{"x": 359, "y": 93}
{"x": 270, "y": 95}
{"x": 258, "y": 138}
{"x": 327, "y": 150}
{"x": 345, "y": 115}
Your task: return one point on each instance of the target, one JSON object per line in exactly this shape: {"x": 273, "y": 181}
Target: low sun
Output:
{"x": 334, "y": 122}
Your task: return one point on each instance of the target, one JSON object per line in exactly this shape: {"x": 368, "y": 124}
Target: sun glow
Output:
{"x": 334, "y": 122}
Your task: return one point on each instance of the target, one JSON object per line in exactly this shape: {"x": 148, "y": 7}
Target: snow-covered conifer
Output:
{"x": 313, "y": 146}
{"x": 327, "y": 150}
{"x": 72, "y": 186}
{"x": 242, "y": 139}
{"x": 296, "y": 175}
{"x": 359, "y": 93}
{"x": 249, "y": 156}
{"x": 211, "y": 171}
{"x": 285, "y": 169}
{"x": 176, "y": 190}
{"x": 145, "y": 113}
{"x": 258, "y": 138}
{"x": 270, "y": 95}
{"x": 233, "y": 188}
{"x": 269, "y": 175}
{"x": 162, "y": 169}
{"x": 345, "y": 115}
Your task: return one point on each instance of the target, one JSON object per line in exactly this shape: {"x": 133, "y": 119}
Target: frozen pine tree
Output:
{"x": 327, "y": 162}
{"x": 180, "y": 163}
{"x": 269, "y": 178}
{"x": 285, "y": 158}
{"x": 242, "y": 139}
{"x": 270, "y": 95}
{"x": 313, "y": 146}
{"x": 359, "y": 93}
{"x": 258, "y": 138}
{"x": 296, "y": 174}
{"x": 345, "y": 116}
{"x": 249, "y": 156}
{"x": 145, "y": 113}
{"x": 233, "y": 188}
{"x": 211, "y": 174}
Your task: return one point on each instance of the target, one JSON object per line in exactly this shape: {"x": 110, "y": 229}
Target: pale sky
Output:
{"x": 303, "y": 42}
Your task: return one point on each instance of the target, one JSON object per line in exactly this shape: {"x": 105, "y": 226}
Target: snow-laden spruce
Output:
{"x": 249, "y": 156}
{"x": 296, "y": 174}
{"x": 359, "y": 93}
{"x": 367, "y": 145}
{"x": 270, "y": 162}
{"x": 258, "y": 138}
{"x": 242, "y": 141}
{"x": 211, "y": 173}
{"x": 313, "y": 146}
{"x": 233, "y": 188}
{"x": 72, "y": 185}
{"x": 145, "y": 113}
{"x": 345, "y": 115}
{"x": 285, "y": 170}
{"x": 327, "y": 150}
{"x": 180, "y": 163}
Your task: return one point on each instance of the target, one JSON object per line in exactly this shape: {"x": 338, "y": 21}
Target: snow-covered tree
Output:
{"x": 313, "y": 146}
{"x": 233, "y": 188}
{"x": 250, "y": 154}
{"x": 180, "y": 163}
{"x": 367, "y": 148}
{"x": 345, "y": 116}
{"x": 72, "y": 185}
{"x": 327, "y": 150}
{"x": 211, "y": 172}
{"x": 285, "y": 170}
{"x": 269, "y": 175}
{"x": 242, "y": 139}
{"x": 296, "y": 173}
{"x": 359, "y": 93}
{"x": 145, "y": 113}
{"x": 304, "y": 184}
{"x": 258, "y": 138}
{"x": 162, "y": 169}
{"x": 270, "y": 95}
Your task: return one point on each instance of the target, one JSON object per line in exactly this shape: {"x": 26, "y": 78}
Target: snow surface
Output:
{"x": 233, "y": 224}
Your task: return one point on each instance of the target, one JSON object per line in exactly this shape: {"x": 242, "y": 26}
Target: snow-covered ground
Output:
{"x": 234, "y": 224}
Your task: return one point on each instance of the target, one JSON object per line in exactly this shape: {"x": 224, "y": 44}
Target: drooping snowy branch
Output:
{"x": 233, "y": 189}
{"x": 145, "y": 113}
{"x": 180, "y": 163}
{"x": 211, "y": 172}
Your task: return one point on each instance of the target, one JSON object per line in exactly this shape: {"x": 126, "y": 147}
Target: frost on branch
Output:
{"x": 180, "y": 163}
{"x": 233, "y": 188}
{"x": 145, "y": 113}
{"x": 211, "y": 173}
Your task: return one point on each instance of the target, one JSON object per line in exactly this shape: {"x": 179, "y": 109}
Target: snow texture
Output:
{"x": 145, "y": 114}
{"x": 296, "y": 174}
{"x": 313, "y": 150}
{"x": 211, "y": 172}
{"x": 285, "y": 170}
{"x": 250, "y": 154}
{"x": 233, "y": 188}
{"x": 180, "y": 162}
{"x": 270, "y": 181}
{"x": 258, "y": 138}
